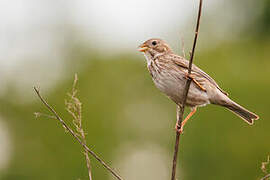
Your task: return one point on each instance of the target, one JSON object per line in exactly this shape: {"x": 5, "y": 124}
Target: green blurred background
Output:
{"x": 129, "y": 123}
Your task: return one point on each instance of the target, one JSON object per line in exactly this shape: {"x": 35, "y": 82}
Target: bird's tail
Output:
{"x": 243, "y": 113}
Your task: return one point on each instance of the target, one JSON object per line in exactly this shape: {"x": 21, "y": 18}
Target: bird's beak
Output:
{"x": 142, "y": 48}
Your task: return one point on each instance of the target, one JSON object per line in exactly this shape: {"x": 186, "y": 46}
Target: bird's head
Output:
{"x": 155, "y": 47}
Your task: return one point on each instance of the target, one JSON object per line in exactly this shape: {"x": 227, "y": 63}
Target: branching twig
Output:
{"x": 181, "y": 108}
{"x": 265, "y": 164}
{"x": 265, "y": 167}
{"x": 76, "y": 136}
{"x": 265, "y": 177}
{"x": 38, "y": 114}
{"x": 74, "y": 107}
{"x": 183, "y": 47}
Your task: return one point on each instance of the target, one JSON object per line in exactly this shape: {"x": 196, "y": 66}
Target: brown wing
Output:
{"x": 179, "y": 61}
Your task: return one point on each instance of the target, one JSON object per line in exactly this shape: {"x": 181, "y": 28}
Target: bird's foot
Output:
{"x": 179, "y": 129}
{"x": 190, "y": 76}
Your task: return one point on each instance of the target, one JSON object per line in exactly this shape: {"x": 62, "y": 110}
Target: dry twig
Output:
{"x": 181, "y": 109}
{"x": 74, "y": 108}
{"x": 265, "y": 164}
{"x": 266, "y": 177}
{"x": 265, "y": 169}
{"x": 183, "y": 47}
{"x": 75, "y": 135}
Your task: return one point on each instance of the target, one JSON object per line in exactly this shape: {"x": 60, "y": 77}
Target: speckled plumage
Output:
{"x": 169, "y": 73}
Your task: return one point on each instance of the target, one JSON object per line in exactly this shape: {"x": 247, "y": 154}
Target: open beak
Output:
{"x": 142, "y": 48}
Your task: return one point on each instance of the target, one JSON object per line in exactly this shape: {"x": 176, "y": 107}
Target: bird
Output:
{"x": 169, "y": 73}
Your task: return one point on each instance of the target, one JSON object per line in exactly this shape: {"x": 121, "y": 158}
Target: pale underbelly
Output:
{"x": 174, "y": 89}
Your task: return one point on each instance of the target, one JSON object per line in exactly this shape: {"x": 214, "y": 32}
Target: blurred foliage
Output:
{"x": 122, "y": 106}
{"x": 264, "y": 21}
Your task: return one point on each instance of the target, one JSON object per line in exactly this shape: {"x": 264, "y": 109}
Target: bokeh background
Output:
{"x": 129, "y": 123}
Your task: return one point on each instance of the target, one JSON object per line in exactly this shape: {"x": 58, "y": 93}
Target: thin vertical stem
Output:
{"x": 77, "y": 138}
{"x": 181, "y": 108}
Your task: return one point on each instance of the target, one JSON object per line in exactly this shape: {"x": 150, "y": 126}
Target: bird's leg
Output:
{"x": 195, "y": 81}
{"x": 181, "y": 129}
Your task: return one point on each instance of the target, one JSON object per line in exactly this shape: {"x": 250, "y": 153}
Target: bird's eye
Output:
{"x": 154, "y": 43}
